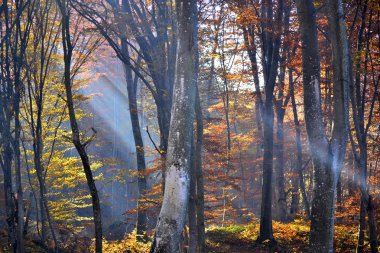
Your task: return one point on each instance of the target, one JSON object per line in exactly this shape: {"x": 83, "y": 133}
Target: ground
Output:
{"x": 290, "y": 237}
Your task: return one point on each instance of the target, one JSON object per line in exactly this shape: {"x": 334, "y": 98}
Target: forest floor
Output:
{"x": 290, "y": 237}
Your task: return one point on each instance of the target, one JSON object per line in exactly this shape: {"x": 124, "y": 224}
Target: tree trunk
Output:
{"x": 200, "y": 202}
{"x": 295, "y": 201}
{"x": 280, "y": 163}
{"x": 9, "y": 203}
{"x": 249, "y": 41}
{"x": 37, "y": 149}
{"x": 373, "y": 241}
{"x": 139, "y": 144}
{"x": 327, "y": 154}
{"x": 16, "y": 148}
{"x": 299, "y": 167}
{"x": 198, "y": 236}
{"x": 176, "y": 195}
{"x": 271, "y": 53}
{"x": 362, "y": 225}
{"x": 192, "y": 209}
{"x": 80, "y": 147}
{"x": 358, "y": 99}
{"x": 266, "y": 231}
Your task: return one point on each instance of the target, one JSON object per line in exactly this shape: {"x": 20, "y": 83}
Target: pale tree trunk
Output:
{"x": 176, "y": 195}
{"x": 327, "y": 154}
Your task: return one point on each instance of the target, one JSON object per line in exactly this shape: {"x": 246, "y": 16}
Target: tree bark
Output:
{"x": 176, "y": 195}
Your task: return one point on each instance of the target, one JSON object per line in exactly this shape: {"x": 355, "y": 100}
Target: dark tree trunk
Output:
{"x": 192, "y": 208}
{"x": 280, "y": 194}
{"x": 362, "y": 227}
{"x": 199, "y": 176}
{"x": 12, "y": 56}
{"x": 197, "y": 238}
{"x": 281, "y": 102}
{"x": 5, "y": 124}
{"x": 373, "y": 241}
{"x": 37, "y": 149}
{"x": 358, "y": 101}
{"x": 295, "y": 201}
{"x": 327, "y": 154}
{"x": 140, "y": 155}
{"x": 17, "y": 156}
{"x": 249, "y": 41}
{"x": 271, "y": 48}
{"x": 266, "y": 231}
{"x": 299, "y": 167}
{"x": 9, "y": 203}
{"x": 80, "y": 147}
{"x": 280, "y": 163}
{"x": 139, "y": 144}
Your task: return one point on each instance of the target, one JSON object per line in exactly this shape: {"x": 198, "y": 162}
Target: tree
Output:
{"x": 68, "y": 48}
{"x": 327, "y": 154}
{"x": 39, "y": 62}
{"x": 176, "y": 195}
{"x": 280, "y": 103}
{"x": 360, "y": 110}
{"x": 15, "y": 26}
{"x": 135, "y": 30}
{"x": 154, "y": 37}
{"x": 299, "y": 167}
{"x": 271, "y": 48}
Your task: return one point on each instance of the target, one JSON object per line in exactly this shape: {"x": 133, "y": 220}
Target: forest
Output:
{"x": 189, "y": 126}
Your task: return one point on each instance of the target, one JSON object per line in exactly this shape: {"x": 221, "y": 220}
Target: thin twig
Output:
{"x": 150, "y": 137}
